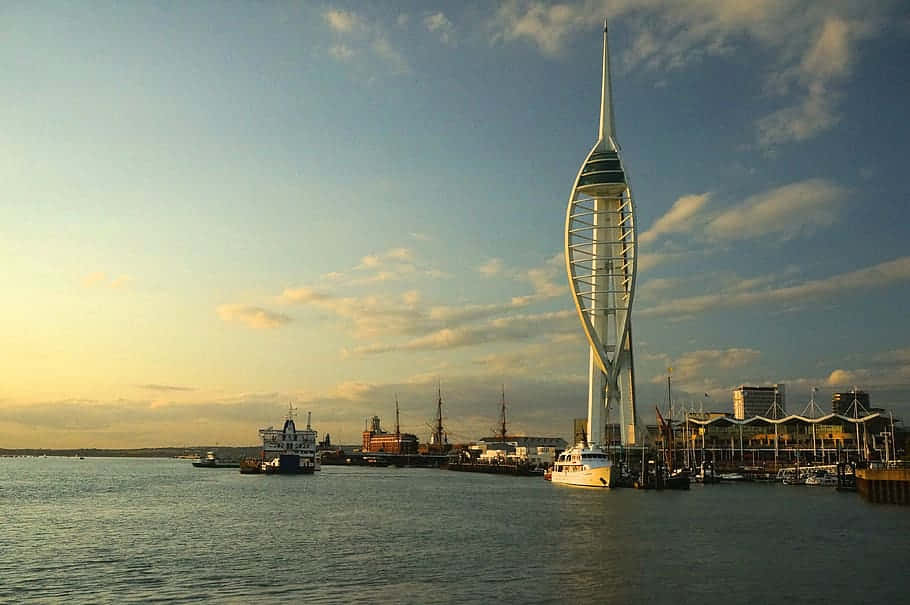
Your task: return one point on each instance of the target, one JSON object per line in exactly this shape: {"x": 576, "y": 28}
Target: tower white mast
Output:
{"x": 601, "y": 248}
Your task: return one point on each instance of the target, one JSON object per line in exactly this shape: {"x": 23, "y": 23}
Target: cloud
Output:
{"x": 785, "y": 211}
{"x": 254, "y": 317}
{"x": 165, "y": 387}
{"x": 658, "y": 284}
{"x": 392, "y": 265}
{"x": 94, "y": 279}
{"x": 812, "y": 44}
{"x": 410, "y": 298}
{"x": 491, "y": 268}
{"x": 303, "y": 295}
{"x": 677, "y": 219}
{"x": 694, "y": 363}
{"x": 546, "y": 26}
{"x": 369, "y": 261}
{"x": 99, "y": 279}
{"x": 877, "y": 276}
{"x": 824, "y": 63}
{"x": 518, "y": 327}
{"x": 384, "y": 49}
{"x": 440, "y": 24}
{"x": 402, "y": 254}
{"x": 362, "y": 38}
{"x": 371, "y": 318}
{"x": 342, "y": 52}
{"x": 841, "y": 377}
{"x": 121, "y": 281}
{"x": 343, "y": 21}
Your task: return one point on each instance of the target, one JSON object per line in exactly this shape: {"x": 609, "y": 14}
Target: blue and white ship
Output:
{"x": 288, "y": 450}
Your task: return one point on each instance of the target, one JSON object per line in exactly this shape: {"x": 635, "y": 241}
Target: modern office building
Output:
{"x": 842, "y": 402}
{"x": 769, "y": 402}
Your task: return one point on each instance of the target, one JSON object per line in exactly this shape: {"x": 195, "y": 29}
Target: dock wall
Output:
{"x": 885, "y": 485}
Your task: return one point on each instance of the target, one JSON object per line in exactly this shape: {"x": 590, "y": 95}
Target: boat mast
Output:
{"x": 502, "y": 416}
{"x": 397, "y": 426}
{"x": 438, "y": 432}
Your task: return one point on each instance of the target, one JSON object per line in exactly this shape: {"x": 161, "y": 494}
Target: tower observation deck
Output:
{"x": 601, "y": 248}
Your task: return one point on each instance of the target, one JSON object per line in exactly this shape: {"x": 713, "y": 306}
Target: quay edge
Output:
{"x": 886, "y": 485}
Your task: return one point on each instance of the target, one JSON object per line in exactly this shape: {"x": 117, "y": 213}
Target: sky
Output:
{"x": 212, "y": 210}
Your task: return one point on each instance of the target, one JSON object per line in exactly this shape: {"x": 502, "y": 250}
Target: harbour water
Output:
{"x": 141, "y": 530}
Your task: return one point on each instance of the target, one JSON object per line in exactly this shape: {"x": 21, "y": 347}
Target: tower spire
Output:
{"x": 607, "y": 129}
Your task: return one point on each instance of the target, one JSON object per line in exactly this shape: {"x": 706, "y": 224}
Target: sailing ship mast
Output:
{"x": 439, "y": 436}
{"x": 502, "y": 416}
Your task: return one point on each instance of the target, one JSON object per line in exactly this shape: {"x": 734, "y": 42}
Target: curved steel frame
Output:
{"x": 601, "y": 250}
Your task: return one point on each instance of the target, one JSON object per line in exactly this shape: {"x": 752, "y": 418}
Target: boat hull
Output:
{"x": 599, "y": 477}
{"x": 216, "y": 464}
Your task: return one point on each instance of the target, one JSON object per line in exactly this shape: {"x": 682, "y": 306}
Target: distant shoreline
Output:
{"x": 223, "y": 451}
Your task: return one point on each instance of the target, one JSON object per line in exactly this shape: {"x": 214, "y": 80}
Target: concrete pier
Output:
{"x": 887, "y": 485}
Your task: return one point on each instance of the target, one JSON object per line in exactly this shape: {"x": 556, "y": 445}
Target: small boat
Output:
{"x": 705, "y": 474}
{"x": 583, "y": 466}
{"x": 250, "y": 466}
{"x": 731, "y": 477}
{"x": 822, "y": 479}
{"x": 212, "y": 461}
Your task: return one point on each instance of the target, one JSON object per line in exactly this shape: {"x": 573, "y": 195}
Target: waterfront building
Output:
{"x": 510, "y": 452}
{"x": 376, "y": 440}
{"x": 601, "y": 248}
{"x": 842, "y": 402}
{"x": 770, "y": 402}
{"x": 760, "y": 441}
{"x": 530, "y": 442}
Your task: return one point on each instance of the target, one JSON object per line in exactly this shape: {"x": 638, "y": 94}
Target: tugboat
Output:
{"x": 288, "y": 451}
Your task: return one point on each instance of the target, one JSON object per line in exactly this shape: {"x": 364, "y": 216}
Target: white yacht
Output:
{"x": 583, "y": 466}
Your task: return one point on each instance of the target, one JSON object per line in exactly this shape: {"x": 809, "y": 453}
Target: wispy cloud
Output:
{"x": 491, "y": 268}
{"x": 678, "y": 218}
{"x": 343, "y": 21}
{"x": 254, "y": 317}
{"x": 876, "y": 276}
{"x": 813, "y": 44}
{"x": 518, "y": 327}
{"x": 439, "y": 24}
{"x": 342, "y": 52}
{"x": 121, "y": 281}
{"x": 426, "y": 325}
{"x": 165, "y": 388}
{"x": 358, "y": 37}
{"x": 99, "y": 279}
{"x": 825, "y": 63}
{"x": 94, "y": 279}
{"x": 785, "y": 211}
